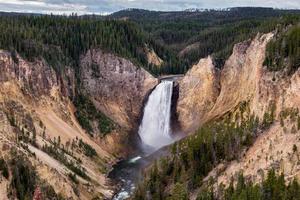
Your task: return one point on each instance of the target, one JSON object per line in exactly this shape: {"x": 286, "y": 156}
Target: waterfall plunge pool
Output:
{"x": 127, "y": 173}
{"x": 155, "y": 133}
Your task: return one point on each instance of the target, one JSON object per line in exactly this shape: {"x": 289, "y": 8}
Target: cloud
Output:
{"x": 41, "y": 7}
{"x": 109, "y": 6}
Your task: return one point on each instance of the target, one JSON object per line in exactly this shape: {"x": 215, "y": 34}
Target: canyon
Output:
{"x": 39, "y": 100}
{"x": 207, "y": 94}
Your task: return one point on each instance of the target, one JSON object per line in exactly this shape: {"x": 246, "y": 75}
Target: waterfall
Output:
{"x": 154, "y": 130}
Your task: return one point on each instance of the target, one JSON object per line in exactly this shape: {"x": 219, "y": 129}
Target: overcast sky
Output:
{"x": 109, "y": 6}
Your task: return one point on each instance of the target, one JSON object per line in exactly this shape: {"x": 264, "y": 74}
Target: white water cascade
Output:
{"x": 155, "y": 127}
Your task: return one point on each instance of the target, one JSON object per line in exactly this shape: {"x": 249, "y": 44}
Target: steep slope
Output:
{"x": 199, "y": 33}
{"x": 238, "y": 82}
{"x": 35, "y": 100}
{"x": 242, "y": 119}
{"x": 273, "y": 98}
{"x": 198, "y": 92}
{"x": 37, "y": 118}
{"x": 116, "y": 86}
{"x": 277, "y": 146}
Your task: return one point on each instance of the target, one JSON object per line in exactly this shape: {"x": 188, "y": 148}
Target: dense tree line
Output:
{"x": 24, "y": 181}
{"x": 87, "y": 113}
{"x": 88, "y": 150}
{"x": 284, "y": 50}
{"x": 216, "y": 31}
{"x": 274, "y": 187}
{"x": 58, "y": 154}
{"x": 194, "y": 157}
{"x": 61, "y": 40}
{"x": 206, "y": 17}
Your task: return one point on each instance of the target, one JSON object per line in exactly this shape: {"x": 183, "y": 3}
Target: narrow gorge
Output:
{"x": 154, "y": 133}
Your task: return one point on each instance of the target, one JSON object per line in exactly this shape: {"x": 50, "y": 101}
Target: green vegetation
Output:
{"x": 61, "y": 40}
{"x": 284, "y": 50}
{"x": 179, "y": 192}
{"x": 25, "y": 181}
{"x": 87, "y": 113}
{"x": 4, "y": 168}
{"x": 24, "y": 178}
{"x": 88, "y": 149}
{"x": 274, "y": 187}
{"x": 269, "y": 116}
{"x": 57, "y": 150}
{"x": 25, "y": 134}
{"x": 73, "y": 178}
{"x": 214, "y": 31}
{"x": 59, "y": 155}
{"x": 220, "y": 141}
{"x": 194, "y": 157}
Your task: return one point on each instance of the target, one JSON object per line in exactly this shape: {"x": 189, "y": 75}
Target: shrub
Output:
{"x": 4, "y": 168}
{"x": 73, "y": 178}
{"x": 88, "y": 149}
{"x": 24, "y": 178}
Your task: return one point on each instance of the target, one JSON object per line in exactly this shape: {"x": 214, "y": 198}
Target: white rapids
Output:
{"x": 154, "y": 130}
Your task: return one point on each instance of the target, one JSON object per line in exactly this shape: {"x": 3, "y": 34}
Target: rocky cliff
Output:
{"x": 277, "y": 146}
{"x": 37, "y": 118}
{"x": 34, "y": 78}
{"x": 116, "y": 86}
{"x": 198, "y": 92}
{"x": 205, "y": 96}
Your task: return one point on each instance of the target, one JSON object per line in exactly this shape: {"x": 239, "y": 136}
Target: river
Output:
{"x": 154, "y": 133}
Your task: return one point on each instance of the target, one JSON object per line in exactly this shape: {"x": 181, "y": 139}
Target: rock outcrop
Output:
{"x": 205, "y": 95}
{"x": 37, "y": 100}
{"x": 153, "y": 58}
{"x": 244, "y": 78}
{"x": 198, "y": 92}
{"x": 276, "y": 147}
{"x": 241, "y": 75}
{"x": 116, "y": 86}
{"x": 36, "y": 78}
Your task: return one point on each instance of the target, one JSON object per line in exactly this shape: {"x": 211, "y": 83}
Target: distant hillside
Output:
{"x": 214, "y": 31}
{"x": 178, "y": 38}
{"x": 230, "y": 14}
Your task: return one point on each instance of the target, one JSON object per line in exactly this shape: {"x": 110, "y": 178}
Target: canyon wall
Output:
{"x": 198, "y": 92}
{"x": 116, "y": 86}
{"x": 36, "y": 100}
{"x": 207, "y": 94}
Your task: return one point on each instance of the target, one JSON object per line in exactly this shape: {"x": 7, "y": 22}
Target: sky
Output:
{"x": 108, "y": 6}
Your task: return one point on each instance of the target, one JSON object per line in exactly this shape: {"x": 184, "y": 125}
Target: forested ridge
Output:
{"x": 208, "y": 32}
{"x": 283, "y": 52}
{"x": 180, "y": 39}
{"x": 219, "y": 141}
{"x": 274, "y": 187}
{"x": 61, "y": 40}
